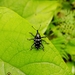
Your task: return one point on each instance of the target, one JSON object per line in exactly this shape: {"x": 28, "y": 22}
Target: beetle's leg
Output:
{"x": 43, "y": 37}
{"x": 32, "y": 34}
{"x": 42, "y": 47}
{"x": 45, "y": 41}
{"x": 30, "y": 39}
{"x": 32, "y": 46}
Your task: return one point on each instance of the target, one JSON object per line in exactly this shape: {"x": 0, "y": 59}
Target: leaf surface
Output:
{"x": 15, "y": 48}
{"x": 35, "y": 11}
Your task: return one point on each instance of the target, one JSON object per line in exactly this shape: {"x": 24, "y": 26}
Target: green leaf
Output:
{"x": 59, "y": 43}
{"x": 70, "y": 48}
{"x": 71, "y": 65}
{"x": 36, "y": 12}
{"x": 6, "y": 68}
{"x": 15, "y": 48}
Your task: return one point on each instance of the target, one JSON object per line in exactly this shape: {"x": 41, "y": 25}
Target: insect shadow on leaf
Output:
{"x": 37, "y": 40}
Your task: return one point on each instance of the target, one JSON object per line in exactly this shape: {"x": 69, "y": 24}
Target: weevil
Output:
{"x": 37, "y": 40}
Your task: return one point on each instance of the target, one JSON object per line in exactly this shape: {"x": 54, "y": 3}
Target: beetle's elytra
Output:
{"x": 37, "y": 40}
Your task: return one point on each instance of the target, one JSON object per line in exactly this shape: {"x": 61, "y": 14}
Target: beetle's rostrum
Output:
{"x": 37, "y": 40}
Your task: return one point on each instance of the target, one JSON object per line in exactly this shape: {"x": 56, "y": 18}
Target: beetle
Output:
{"x": 37, "y": 40}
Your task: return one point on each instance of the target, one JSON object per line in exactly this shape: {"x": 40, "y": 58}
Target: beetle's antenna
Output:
{"x": 39, "y": 27}
{"x": 36, "y": 29}
{"x": 33, "y": 28}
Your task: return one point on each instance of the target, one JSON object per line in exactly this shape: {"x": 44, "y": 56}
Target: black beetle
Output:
{"x": 37, "y": 40}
